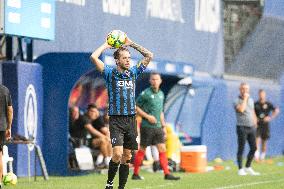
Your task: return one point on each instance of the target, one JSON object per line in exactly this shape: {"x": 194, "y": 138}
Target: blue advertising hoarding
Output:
{"x": 34, "y": 19}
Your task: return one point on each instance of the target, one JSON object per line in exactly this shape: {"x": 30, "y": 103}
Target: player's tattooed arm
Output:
{"x": 148, "y": 55}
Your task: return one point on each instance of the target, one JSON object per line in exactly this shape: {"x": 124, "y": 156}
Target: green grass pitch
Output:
{"x": 272, "y": 176}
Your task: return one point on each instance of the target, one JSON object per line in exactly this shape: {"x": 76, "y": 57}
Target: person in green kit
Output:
{"x": 149, "y": 106}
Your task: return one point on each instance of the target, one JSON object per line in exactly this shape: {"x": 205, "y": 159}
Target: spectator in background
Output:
{"x": 6, "y": 117}
{"x": 76, "y": 130}
{"x": 265, "y": 112}
{"x": 93, "y": 124}
{"x": 246, "y": 128}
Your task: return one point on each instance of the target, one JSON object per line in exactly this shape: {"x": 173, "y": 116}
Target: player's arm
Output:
{"x": 144, "y": 115}
{"x": 242, "y": 106}
{"x": 274, "y": 113}
{"x": 254, "y": 119}
{"x": 96, "y": 54}
{"x": 93, "y": 131}
{"x": 9, "y": 120}
{"x": 163, "y": 122}
{"x": 148, "y": 56}
{"x": 105, "y": 131}
{"x": 10, "y": 117}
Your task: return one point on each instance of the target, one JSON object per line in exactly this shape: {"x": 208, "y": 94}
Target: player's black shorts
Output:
{"x": 151, "y": 136}
{"x": 263, "y": 131}
{"x": 2, "y": 139}
{"x": 123, "y": 131}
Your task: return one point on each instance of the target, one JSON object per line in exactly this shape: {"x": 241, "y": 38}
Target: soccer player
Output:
{"x": 150, "y": 106}
{"x": 120, "y": 83}
{"x": 246, "y": 128}
{"x": 265, "y": 112}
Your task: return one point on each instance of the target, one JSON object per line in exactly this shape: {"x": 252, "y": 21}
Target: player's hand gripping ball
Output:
{"x": 116, "y": 38}
{"x": 10, "y": 179}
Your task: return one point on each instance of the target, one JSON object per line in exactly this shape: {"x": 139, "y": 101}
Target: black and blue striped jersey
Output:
{"x": 121, "y": 89}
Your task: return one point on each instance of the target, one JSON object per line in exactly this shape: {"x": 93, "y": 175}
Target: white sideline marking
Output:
{"x": 159, "y": 186}
{"x": 249, "y": 184}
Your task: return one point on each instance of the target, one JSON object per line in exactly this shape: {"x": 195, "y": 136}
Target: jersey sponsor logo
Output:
{"x": 126, "y": 84}
{"x": 30, "y": 115}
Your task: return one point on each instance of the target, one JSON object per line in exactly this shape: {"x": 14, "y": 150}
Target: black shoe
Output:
{"x": 137, "y": 177}
{"x": 171, "y": 177}
{"x": 156, "y": 166}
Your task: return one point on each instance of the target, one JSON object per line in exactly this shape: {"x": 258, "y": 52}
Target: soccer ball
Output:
{"x": 10, "y": 179}
{"x": 116, "y": 38}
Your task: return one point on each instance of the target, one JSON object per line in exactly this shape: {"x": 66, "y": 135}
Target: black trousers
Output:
{"x": 246, "y": 134}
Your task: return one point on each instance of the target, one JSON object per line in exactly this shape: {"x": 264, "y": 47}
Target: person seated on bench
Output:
{"x": 91, "y": 122}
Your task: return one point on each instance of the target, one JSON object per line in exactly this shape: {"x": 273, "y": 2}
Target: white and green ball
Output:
{"x": 10, "y": 179}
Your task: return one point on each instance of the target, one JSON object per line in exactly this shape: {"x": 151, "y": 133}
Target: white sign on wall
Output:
{"x": 207, "y": 15}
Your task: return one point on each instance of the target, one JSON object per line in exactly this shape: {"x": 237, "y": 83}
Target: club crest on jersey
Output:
{"x": 127, "y": 73}
{"x": 126, "y": 84}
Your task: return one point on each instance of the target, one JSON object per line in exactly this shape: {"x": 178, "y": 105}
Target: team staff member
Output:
{"x": 6, "y": 117}
{"x": 246, "y": 128}
{"x": 150, "y": 106}
{"x": 120, "y": 83}
{"x": 265, "y": 112}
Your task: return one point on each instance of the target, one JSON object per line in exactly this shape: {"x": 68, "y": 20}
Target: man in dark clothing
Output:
{"x": 265, "y": 112}
{"x": 93, "y": 124}
{"x": 6, "y": 117}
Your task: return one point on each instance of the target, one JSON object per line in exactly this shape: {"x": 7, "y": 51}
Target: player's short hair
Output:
{"x": 243, "y": 84}
{"x": 91, "y": 106}
{"x": 155, "y": 73}
{"x": 261, "y": 90}
{"x": 116, "y": 53}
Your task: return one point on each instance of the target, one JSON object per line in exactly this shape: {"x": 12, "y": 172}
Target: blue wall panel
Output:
{"x": 24, "y": 81}
{"x": 274, "y": 8}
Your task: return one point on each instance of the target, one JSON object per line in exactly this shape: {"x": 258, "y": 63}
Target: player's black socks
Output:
{"x": 123, "y": 175}
{"x": 112, "y": 171}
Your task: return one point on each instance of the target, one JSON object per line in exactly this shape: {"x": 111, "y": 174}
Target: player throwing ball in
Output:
{"x": 150, "y": 106}
{"x": 120, "y": 83}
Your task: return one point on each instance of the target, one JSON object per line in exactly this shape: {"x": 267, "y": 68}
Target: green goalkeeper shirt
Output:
{"x": 152, "y": 103}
